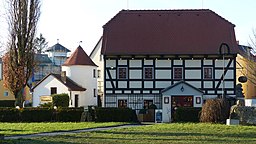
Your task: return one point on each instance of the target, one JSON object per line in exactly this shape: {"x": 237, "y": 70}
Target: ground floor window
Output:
{"x": 147, "y": 103}
{"x": 122, "y": 103}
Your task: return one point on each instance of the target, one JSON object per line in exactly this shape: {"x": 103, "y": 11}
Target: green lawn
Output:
{"x": 184, "y": 133}
{"x": 30, "y": 128}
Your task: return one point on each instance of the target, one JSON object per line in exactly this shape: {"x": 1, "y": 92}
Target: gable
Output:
{"x": 181, "y": 88}
{"x": 145, "y": 32}
{"x": 49, "y": 82}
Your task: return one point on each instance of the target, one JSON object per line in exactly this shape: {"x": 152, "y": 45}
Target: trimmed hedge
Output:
{"x": 60, "y": 100}
{"x": 115, "y": 115}
{"x": 9, "y": 115}
{"x": 187, "y": 114}
{"x": 7, "y": 103}
{"x": 69, "y": 114}
{"x": 36, "y": 115}
{"x": 40, "y": 114}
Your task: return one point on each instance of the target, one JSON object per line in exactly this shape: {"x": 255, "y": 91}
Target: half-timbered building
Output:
{"x": 148, "y": 51}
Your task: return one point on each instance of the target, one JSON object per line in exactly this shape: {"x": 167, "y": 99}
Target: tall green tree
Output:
{"x": 23, "y": 16}
{"x": 40, "y": 44}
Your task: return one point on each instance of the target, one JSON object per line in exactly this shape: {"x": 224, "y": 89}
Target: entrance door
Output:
{"x": 76, "y": 100}
{"x": 181, "y": 101}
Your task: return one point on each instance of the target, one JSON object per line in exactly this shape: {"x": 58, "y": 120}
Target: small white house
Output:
{"x": 78, "y": 80}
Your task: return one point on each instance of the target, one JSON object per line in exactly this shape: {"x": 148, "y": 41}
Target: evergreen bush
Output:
{"x": 187, "y": 114}
{"x": 60, "y": 100}
{"x": 115, "y": 115}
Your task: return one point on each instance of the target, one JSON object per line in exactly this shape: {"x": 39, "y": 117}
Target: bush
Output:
{"x": 7, "y": 103}
{"x": 187, "y": 114}
{"x": 115, "y": 115}
{"x": 9, "y": 115}
{"x": 36, "y": 114}
{"x": 215, "y": 111}
{"x": 69, "y": 114}
{"x": 60, "y": 100}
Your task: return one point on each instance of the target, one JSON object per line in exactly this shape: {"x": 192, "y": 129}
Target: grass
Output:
{"x": 29, "y": 128}
{"x": 177, "y": 133}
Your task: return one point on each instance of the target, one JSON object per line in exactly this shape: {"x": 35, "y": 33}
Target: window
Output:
{"x": 122, "y": 73}
{"x": 177, "y": 73}
{"x": 122, "y": 103}
{"x": 6, "y": 93}
{"x": 148, "y": 73}
{"x": 94, "y": 93}
{"x": 147, "y": 103}
{"x": 99, "y": 72}
{"x": 208, "y": 73}
{"x": 94, "y": 73}
{"x": 53, "y": 90}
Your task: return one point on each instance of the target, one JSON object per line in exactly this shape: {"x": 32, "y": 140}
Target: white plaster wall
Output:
{"x": 83, "y": 76}
{"x": 72, "y": 102}
{"x": 135, "y": 74}
{"x": 163, "y": 74}
{"x": 148, "y": 84}
{"x": 122, "y": 84}
{"x": 219, "y": 63}
{"x": 110, "y": 63}
{"x": 112, "y": 73}
{"x": 208, "y": 84}
{"x": 162, "y": 84}
{"x": 163, "y": 63}
{"x": 196, "y": 84}
{"x": 227, "y": 84}
{"x": 193, "y": 63}
{"x": 192, "y": 74}
{"x": 177, "y": 62}
{"x": 122, "y": 62}
{"x": 148, "y": 62}
{"x": 228, "y": 75}
{"x": 135, "y": 63}
{"x": 135, "y": 84}
{"x": 44, "y": 89}
{"x": 207, "y": 62}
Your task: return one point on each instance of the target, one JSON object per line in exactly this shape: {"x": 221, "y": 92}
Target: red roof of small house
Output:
{"x": 71, "y": 85}
{"x": 79, "y": 57}
{"x": 138, "y": 32}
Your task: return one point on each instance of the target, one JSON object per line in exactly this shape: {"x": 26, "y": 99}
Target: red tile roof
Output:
{"x": 79, "y": 57}
{"x": 136, "y": 32}
{"x": 71, "y": 85}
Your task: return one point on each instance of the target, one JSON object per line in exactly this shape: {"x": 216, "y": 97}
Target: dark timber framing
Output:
{"x": 136, "y": 94}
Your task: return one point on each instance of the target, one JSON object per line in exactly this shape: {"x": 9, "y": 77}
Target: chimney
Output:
{"x": 63, "y": 76}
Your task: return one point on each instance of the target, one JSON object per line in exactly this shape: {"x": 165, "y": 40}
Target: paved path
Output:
{"x": 68, "y": 132}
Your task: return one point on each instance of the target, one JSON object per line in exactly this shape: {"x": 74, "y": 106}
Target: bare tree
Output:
{"x": 23, "y": 16}
{"x": 40, "y": 44}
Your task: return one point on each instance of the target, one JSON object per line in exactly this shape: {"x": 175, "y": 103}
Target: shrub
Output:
{"x": 46, "y": 105}
{"x": 9, "y": 115}
{"x": 36, "y": 114}
{"x": 187, "y": 114}
{"x": 69, "y": 114}
{"x": 60, "y": 100}
{"x": 215, "y": 111}
{"x": 7, "y": 103}
{"x": 115, "y": 115}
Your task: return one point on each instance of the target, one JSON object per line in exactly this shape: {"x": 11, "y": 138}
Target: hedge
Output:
{"x": 187, "y": 114}
{"x": 7, "y": 103}
{"x": 9, "y": 115}
{"x": 115, "y": 115}
{"x": 36, "y": 114}
{"x": 40, "y": 114}
{"x": 60, "y": 100}
{"x": 69, "y": 114}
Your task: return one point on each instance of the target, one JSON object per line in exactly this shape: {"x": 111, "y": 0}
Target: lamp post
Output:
{"x": 223, "y": 49}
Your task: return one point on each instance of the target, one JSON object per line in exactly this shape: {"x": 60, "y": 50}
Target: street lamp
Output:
{"x": 223, "y": 49}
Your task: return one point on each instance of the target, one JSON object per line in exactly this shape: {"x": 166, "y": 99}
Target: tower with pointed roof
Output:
{"x": 82, "y": 70}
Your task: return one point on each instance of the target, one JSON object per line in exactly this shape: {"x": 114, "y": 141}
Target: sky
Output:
{"x": 72, "y": 21}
